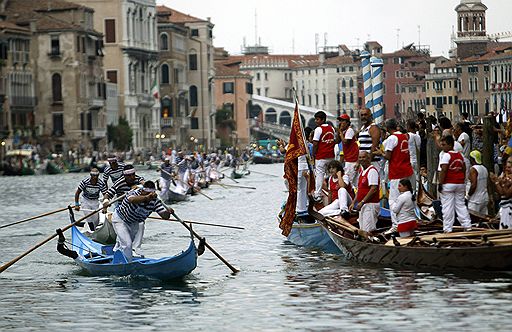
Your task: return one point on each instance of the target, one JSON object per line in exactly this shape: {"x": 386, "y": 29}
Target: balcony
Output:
{"x": 20, "y": 57}
{"x": 167, "y": 122}
{"x": 98, "y": 133}
{"x": 146, "y": 100}
{"x": 96, "y": 103}
{"x": 22, "y": 101}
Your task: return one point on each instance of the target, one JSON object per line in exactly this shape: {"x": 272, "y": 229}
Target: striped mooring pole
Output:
{"x": 367, "y": 80}
{"x": 377, "y": 90}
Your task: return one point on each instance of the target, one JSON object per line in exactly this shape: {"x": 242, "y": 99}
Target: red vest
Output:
{"x": 351, "y": 150}
{"x": 400, "y": 162}
{"x": 326, "y": 143}
{"x": 363, "y": 187}
{"x": 333, "y": 188}
{"x": 455, "y": 173}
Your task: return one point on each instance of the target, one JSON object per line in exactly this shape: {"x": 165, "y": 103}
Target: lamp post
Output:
{"x": 160, "y": 137}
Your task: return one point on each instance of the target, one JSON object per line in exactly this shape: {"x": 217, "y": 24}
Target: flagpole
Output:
{"x": 300, "y": 121}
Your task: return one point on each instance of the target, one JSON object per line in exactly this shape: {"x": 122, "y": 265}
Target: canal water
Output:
{"x": 281, "y": 287}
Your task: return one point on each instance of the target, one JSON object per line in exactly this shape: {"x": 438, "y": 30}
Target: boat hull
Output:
{"x": 312, "y": 236}
{"x": 103, "y": 262}
{"x": 488, "y": 258}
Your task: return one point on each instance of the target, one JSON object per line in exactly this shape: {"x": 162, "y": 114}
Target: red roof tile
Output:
{"x": 170, "y": 15}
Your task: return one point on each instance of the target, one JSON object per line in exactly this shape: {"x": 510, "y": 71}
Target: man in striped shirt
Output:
{"x": 133, "y": 211}
{"x": 90, "y": 189}
{"x": 165, "y": 177}
{"x": 114, "y": 170}
{"x": 125, "y": 183}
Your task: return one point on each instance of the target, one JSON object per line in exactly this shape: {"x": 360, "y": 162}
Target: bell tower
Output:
{"x": 471, "y": 28}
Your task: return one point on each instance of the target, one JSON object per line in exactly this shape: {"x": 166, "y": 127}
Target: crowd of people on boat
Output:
{"x": 363, "y": 169}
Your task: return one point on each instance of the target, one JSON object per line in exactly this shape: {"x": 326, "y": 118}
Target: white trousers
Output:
{"x": 338, "y": 205}
{"x": 137, "y": 241}
{"x": 452, "y": 200}
{"x": 125, "y": 235}
{"x": 320, "y": 171}
{"x": 302, "y": 192}
{"x": 478, "y": 207}
{"x": 164, "y": 186}
{"x": 90, "y": 204}
{"x": 368, "y": 216}
{"x": 350, "y": 171}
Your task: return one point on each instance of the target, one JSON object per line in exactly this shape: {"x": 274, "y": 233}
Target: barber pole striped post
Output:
{"x": 367, "y": 79}
{"x": 377, "y": 90}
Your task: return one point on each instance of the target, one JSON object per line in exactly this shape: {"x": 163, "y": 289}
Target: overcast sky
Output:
{"x": 288, "y": 26}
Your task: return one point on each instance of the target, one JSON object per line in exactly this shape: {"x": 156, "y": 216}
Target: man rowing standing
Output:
{"x": 114, "y": 170}
{"x": 165, "y": 177}
{"x": 324, "y": 139}
{"x": 133, "y": 211}
{"x": 90, "y": 189}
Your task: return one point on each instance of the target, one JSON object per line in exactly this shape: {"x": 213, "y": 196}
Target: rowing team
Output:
{"x": 364, "y": 172}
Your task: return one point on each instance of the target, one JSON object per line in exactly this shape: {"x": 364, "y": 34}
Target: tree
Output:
{"x": 120, "y": 135}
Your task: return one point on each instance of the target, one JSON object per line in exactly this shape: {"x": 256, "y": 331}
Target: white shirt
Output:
{"x": 456, "y": 148}
{"x": 464, "y": 138}
{"x": 414, "y": 146}
{"x": 350, "y": 133}
{"x": 391, "y": 142}
{"x": 373, "y": 176}
{"x": 318, "y": 132}
{"x": 404, "y": 208}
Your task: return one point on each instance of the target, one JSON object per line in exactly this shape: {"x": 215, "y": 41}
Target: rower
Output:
{"x": 133, "y": 211}
{"x": 90, "y": 188}
{"x": 114, "y": 170}
{"x": 504, "y": 188}
{"x": 165, "y": 177}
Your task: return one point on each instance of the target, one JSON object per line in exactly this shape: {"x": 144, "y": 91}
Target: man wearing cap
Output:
{"x": 114, "y": 170}
{"x": 324, "y": 139}
{"x": 90, "y": 188}
{"x": 350, "y": 147}
{"x": 165, "y": 177}
{"x": 133, "y": 211}
{"x": 478, "y": 197}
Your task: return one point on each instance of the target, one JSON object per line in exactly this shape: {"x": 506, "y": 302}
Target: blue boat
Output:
{"x": 312, "y": 235}
{"x": 100, "y": 260}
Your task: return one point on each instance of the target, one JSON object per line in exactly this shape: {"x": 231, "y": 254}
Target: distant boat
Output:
{"x": 18, "y": 162}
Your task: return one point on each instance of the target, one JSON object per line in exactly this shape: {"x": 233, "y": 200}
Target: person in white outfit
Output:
{"x": 504, "y": 188}
{"x": 452, "y": 187}
{"x": 405, "y": 208}
{"x": 339, "y": 191}
{"x": 136, "y": 206}
{"x": 89, "y": 190}
{"x": 324, "y": 139}
{"x": 478, "y": 197}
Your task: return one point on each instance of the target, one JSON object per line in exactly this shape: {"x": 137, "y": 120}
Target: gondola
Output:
{"x": 173, "y": 197}
{"x": 100, "y": 260}
{"x": 240, "y": 174}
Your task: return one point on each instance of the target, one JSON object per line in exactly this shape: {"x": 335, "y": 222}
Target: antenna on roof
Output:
{"x": 419, "y": 37}
{"x": 397, "y": 38}
{"x": 317, "y": 38}
{"x": 256, "y": 27}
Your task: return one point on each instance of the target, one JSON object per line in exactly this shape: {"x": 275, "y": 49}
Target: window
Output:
{"x": 193, "y": 96}
{"x": 266, "y": 76}
{"x": 57, "y": 88}
{"x": 351, "y": 98}
{"x": 78, "y": 40}
{"x": 486, "y": 84}
{"x": 427, "y": 101}
{"x": 258, "y": 91}
{"x": 476, "y": 84}
{"x": 194, "y": 123}
{"x": 164, "y": 42}
{"x": 192, "y": 61}
{"x": 55, "y": 45}
{"x": 397, "y": 88}
{"x": 112, "y": 76}
{"x": 343, "y": 83}
{"x": 58, "y": 124}
{"x": 194, "y": 32}
{"x": 248, "y": 88}
{"x": 428, "y": 85}
{"x": 351, "y": 83}
{"x": 266, "y": 92}
{"x": 316, "y": 100}
{"x": 164, "y": 71}
{"x": 324, "y": 99}
{"x": 228, "y": 87}
{"x": 450, "y": 100}
{"x": 258, "y": 76}
{"x": 343, "y": 98}
{"x": 110, "y": 30}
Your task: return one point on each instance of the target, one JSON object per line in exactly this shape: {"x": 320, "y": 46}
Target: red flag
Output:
{"x": 296, "y": 148}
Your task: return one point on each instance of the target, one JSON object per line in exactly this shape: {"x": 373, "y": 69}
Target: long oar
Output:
{"x": 233, "y": 186}
{"x": 229, "y": 177}
{"x": 231, "y": 267}
{"x": 199, "y": 223}
{"x": 7, "y": 265}
{"x": 35, "y": 217}
{"x": 253, "y": 171}
{"x": 199, "y": 191}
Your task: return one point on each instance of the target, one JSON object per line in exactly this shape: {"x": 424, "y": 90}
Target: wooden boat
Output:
{"x": 173, "y": 197}
{"x": 260, "y": 158}
{"x": 100, "y": 260}
{"x": 18, "y": 162}
{"x": 312, "y": 235}
{"x": 437, "y": 251}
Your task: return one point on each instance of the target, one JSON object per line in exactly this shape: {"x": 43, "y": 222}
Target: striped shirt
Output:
{"x": 165, "y": 171}
{"x": 182, "y": 164}
{"x": 92, "y": 191}
{"x": 365, "y": 140}
{"x": 114, "y": 174}
{"x": 120, "y": 187}
{"x": 135, "y": 213}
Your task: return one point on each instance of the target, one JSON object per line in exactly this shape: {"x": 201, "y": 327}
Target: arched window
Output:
{"x": 164, "y": 42}
{"x": 351, "y": 83}
{"x": 271, "y": 115}
{"x": 343, "y": 83}
{"x": 164, "y": 78}
{"x": 285, "y": 119}
{"x": 57, "y": 87}
{"x": 193, "y": 95}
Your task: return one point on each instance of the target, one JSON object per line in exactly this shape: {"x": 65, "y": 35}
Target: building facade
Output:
{"x": 131, "y": 61}
{"x": 442, "y": 86}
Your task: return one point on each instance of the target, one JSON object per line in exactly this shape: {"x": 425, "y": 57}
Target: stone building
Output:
{"x": 70, "y": 87}
{"x": 233, "y": 94}
{"x": 131, "y": 61}
{"x": 442, "y": 86}
{"x": 500, "y": 65}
